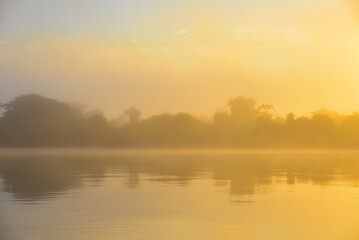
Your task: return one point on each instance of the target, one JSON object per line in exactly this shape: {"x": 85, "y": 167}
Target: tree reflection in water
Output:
{"x": 33, "y": 175}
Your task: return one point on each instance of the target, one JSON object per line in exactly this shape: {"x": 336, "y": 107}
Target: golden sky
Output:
{"x": 187, "y": 56}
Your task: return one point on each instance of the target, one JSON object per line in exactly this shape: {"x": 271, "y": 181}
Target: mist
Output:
{"x": 205, "y": 52}
{"x": 36, "y": 121}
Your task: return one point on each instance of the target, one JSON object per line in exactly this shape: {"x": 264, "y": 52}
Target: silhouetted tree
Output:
{"x": 133, "y": 115}
{"x": 33, "y": 120}
{"x": 243, "y": 112}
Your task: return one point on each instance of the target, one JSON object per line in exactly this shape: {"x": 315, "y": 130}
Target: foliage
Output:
{"x": 36, "y": 121}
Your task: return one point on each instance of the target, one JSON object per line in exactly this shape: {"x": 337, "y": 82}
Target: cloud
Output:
{"x": 183, "y": 33}
{"x": 270, "y": 35}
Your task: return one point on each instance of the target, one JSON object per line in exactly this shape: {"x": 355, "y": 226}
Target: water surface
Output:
{"x": 58, "y": 194}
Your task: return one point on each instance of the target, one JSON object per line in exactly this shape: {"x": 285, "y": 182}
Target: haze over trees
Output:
{"x": 36, "y": 121}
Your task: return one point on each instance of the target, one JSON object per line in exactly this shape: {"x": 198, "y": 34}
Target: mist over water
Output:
{"x": 179, "y": 120}
{"x": 177, "y": 194}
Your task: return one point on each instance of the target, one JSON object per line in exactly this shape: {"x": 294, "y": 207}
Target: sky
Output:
{"x": 182, "y": 55}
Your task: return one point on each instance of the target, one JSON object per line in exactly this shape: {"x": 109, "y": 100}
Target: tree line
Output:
{"x": 36, "y": 121}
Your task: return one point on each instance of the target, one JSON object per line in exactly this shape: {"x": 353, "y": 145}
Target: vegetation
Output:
{"x": 36, "y": 121}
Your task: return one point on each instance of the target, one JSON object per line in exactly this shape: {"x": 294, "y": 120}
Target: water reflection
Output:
{"x": 34, "y": 175}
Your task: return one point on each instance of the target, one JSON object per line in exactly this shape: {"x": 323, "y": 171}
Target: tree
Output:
{"x": 243, "y": 112}
{"x": 133, "y": 115}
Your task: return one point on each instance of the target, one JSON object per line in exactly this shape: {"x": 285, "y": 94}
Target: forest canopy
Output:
{"x": 36, "y": 121}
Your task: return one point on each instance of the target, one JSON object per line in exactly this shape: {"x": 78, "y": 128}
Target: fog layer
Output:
{"x": 36, "y": 121}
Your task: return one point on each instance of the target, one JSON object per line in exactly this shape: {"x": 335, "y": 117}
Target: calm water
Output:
{"x": 154, "y": 195}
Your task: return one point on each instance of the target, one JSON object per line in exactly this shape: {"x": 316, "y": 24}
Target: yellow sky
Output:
{"x": 297, "y": 60}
